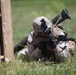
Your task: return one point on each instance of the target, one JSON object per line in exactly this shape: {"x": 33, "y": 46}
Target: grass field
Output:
{"x": 23, "y": 14}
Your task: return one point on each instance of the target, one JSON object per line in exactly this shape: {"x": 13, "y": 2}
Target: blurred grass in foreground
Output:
{"x": 17, "y": 67}
{"x": 24, "y": 12}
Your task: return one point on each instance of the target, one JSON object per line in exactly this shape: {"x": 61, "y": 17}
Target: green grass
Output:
{"x": 17, "y": 67}
{"x": 23, "y": 14}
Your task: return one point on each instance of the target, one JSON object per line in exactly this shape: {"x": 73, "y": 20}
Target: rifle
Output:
{"x": 55, "y": 21}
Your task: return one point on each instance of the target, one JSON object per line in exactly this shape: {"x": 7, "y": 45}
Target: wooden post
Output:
{"x": 6, "y": 30}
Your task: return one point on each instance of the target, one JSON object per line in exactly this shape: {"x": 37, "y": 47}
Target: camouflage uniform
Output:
{"x": 37, "y": 40}
{"x": 34, "y": 39}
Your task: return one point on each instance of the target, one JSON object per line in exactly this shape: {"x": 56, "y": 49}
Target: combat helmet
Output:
{"x": 40, "y": 24}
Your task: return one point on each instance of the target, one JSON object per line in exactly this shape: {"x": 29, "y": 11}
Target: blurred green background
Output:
{"x": 25, "y": 11}
{"x": 23, "y": 14}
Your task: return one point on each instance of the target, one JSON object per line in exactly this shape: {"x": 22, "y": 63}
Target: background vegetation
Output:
{"x": 23, "y": 14}
{"x": 25, "y": 11}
